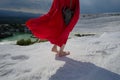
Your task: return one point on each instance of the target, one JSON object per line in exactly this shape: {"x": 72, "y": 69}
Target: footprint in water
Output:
{"x": 20, "y": 57}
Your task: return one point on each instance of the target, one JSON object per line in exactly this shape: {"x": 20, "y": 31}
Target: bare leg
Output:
{"x": 54, "y": 49}
{"x": 62, "y": 53}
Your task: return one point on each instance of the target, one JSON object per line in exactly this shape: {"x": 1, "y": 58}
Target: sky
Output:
{"x": 42, "y": 6}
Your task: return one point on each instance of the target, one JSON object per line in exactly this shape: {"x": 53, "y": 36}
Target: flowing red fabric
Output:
{"x": 51, "y": 26}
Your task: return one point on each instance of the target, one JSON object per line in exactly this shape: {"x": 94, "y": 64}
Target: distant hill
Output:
{"x": 91, "y": 16}
{"x": 7, "y": 17}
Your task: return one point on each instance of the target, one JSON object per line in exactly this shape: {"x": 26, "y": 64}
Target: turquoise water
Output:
{"x": 18, "y": 36}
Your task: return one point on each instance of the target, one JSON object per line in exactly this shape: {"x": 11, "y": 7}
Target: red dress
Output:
{"x": 51, "y": 26}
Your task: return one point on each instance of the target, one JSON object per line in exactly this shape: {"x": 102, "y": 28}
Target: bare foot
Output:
{"x": 54, "y": 49}
{"x": 63, "y": 53}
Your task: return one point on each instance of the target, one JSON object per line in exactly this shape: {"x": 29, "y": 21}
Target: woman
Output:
{"x": 52, "y": 26}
